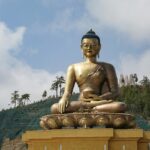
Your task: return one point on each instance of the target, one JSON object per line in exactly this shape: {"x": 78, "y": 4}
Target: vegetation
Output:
{"x": 137, "y": 97}
{"x": 22, "y": 118}
{"x": 18, "y": 100}
{"x": 15, "y": 98}
{"x": 57, "y": 85}
{"x": 44, "y": 94}
{"x": 13, "y": 122}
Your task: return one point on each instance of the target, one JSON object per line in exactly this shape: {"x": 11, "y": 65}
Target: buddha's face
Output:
{"x": 90, "y": 47}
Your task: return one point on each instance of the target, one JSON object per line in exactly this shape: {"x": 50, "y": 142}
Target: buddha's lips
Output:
{"x": 89, "y": 51}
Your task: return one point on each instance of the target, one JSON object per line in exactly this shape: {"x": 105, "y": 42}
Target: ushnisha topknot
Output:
{"x": 91, "y": 34}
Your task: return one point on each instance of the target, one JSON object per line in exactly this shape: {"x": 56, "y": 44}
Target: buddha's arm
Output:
{"x": 112, "y": 83}
{"x": 70, "y": 81}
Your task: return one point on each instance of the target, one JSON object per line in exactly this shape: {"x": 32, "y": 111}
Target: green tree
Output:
{"x": 14, "y": 98}
{"x": 44, "y": 94}
{"x": 24, "y": 98}
{"x": 54, "y": 87}
{"x": 62, "y": 91}
{"x": 57, "y": 84}
{"x": 145, "y": 84}
{"x": 61, "y": 81}
{"x": 145, "y": 81}
{"x": 137, "y": 97}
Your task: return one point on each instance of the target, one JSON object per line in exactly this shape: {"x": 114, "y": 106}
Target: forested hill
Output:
{"x": 13, "y": 122}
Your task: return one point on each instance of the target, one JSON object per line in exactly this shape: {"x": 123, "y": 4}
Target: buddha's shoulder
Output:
{"x": 106, "y": 65}
{"x": 74, "y": 66}
{"x": 80, "y": 64}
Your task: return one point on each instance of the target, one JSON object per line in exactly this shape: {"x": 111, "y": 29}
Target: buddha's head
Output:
{"x": 90, "y": 44}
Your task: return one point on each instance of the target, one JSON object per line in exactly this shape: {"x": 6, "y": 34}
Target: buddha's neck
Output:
{"x": 91, "y": 60}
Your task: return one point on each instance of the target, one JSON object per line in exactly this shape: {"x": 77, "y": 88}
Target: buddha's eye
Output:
{"x": 84, "y": 45}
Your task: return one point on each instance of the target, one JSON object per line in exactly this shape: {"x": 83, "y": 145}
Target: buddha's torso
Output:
{"x": 90, "y": 76}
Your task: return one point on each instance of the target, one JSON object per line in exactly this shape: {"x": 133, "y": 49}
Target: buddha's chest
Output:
{"x": 95, "y": 74}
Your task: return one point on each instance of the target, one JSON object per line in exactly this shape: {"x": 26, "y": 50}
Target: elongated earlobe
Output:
{"x": 83, "y": 56}
{"x": 82, "y": 53}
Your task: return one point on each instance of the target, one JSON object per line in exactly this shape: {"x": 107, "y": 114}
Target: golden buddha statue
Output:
{"x": 98, "y": 85}
{"x": 91, "y": 77}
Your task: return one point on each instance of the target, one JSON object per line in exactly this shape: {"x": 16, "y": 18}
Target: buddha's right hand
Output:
{"x": 63, "y": 103}
{"x": 102, "y": 102}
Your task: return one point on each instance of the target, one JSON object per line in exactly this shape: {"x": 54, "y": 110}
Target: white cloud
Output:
{"x": 63, "y": 21}
{"x": 16, "y": 75}
{"x": 10, "y": 40}
{"x": 139, "y": 64}
{"x": 130, "y": 16}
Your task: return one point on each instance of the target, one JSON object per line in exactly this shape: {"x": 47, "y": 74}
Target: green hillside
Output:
{"x": 13, "y": 122}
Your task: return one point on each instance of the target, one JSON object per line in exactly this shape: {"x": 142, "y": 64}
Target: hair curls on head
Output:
{"x": 91, "y": 34}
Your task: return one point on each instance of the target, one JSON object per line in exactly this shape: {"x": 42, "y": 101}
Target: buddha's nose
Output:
{"x": 89, "y": 47}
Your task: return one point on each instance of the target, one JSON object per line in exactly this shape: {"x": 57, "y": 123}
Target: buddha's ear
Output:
{"x": 81, "y": 48}
{"x": 99, "y": 47}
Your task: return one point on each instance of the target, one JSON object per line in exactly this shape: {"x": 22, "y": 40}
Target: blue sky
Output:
{"x": 40, "y": 38}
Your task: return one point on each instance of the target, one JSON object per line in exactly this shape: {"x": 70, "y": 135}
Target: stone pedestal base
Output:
{"x": 87, "y": 139}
